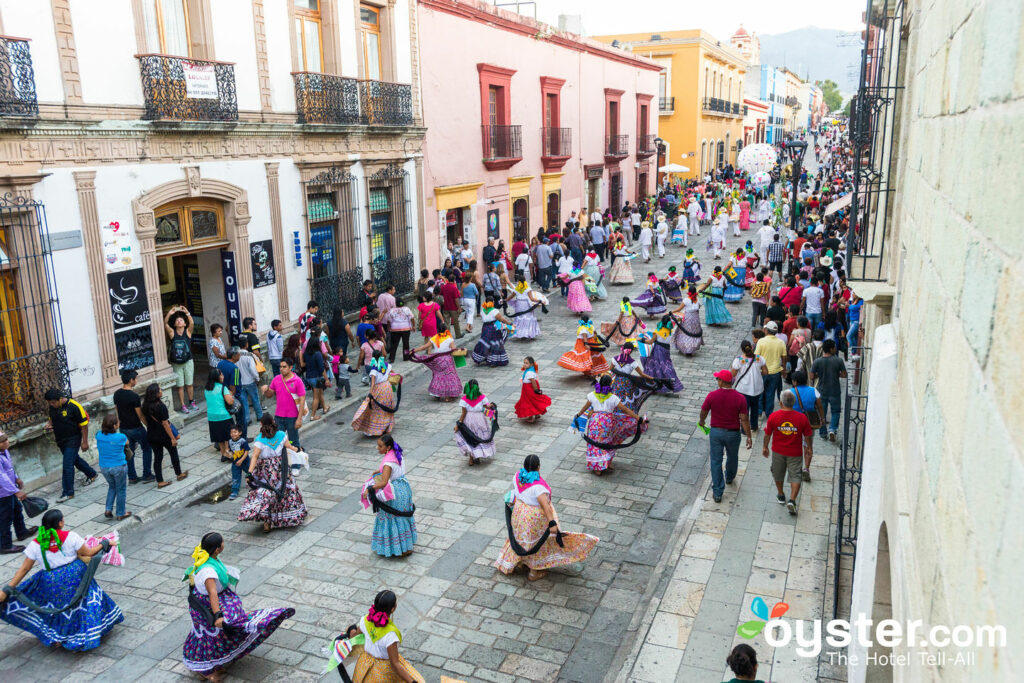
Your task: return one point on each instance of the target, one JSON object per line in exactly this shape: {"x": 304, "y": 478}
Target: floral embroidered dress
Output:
{"x": 478, "y": 421}
{"x": 263, "y": 505}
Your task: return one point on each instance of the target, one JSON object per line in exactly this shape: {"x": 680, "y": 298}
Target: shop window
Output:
{"x": 189, "y": 224}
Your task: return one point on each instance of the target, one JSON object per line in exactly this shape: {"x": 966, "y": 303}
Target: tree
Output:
{"x": 846, "y": 110}
{"x": 830, "y": 93}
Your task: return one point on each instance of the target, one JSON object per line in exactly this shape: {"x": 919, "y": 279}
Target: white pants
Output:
{"x": 661, "y": 246}
{"x": 469, "y": 308}
{"x": 694, "y": 225}
{"x": 645, "y": 252}
{"x": 735, "y": 228}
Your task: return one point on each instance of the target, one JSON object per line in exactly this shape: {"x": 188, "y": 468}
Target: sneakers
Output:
{"x": 781, "y": 498}
{"x": 89, "y": 480}
{"x": 184, "y": 410}
{"x": 805, "y": 475}
{"x": 192, "y": 406}
{"x": 791, "y": 507}
{"x": 233, "y": 496}
{"x": 832, "y": 436}
{"x": 64, "y": 499}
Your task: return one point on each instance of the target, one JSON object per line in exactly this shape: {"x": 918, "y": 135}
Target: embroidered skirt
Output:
{"x": 395, "y": 535}
{"x": 79, "y": 629}
{"x": 691, "y": 273}
{"x": 444, "y": 381}
{"x": 528, "y": 525}
{"x": 526, "y": 324}
{"x": 578, "y": 301}
{"x": 583, "y": 359}
{"x": 531, "y": 403}
{"x": 689, "y": 336}
{"x": 652, "y": 302}
{"x": 209, "y": 648}
{"x": 262, "y": 505}
{"x": 621, "y": 272}
{"x": 370, "y": 419}
{"x": 659, "y": 364}
{"x": 734, "y": 292}
{"x": 607, "y": 428}
{"x": 629, "y": 394}
{"x": 672, "y": 290}
{"x": 715, "y": 312}
{"x": 594, "y": 272}
{"x": 477, "y": 423}
{"x": 490, "y": 349}
{"x": 628, "y": 327}
{"x": 369, "y": 669}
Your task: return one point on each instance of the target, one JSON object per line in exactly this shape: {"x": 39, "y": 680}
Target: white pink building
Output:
{"x": 525, "y": 124}
{"x": 755, "y": 121}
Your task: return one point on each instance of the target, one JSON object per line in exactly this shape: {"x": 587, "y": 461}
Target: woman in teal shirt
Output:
{"x": 217, "y": 414}
{"x": 113, "y": 464}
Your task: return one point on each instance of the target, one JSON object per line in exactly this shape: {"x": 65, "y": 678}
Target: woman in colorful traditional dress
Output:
{"x": 394, "y": 531}
{"x": 631, "y": 384}
{"x": 671, "y": 285}
{"x": 745, "y": 215}
{"x": 578, "y": 301}
{"x": 735, "y": 283}
{"x": 715, "y": 312}
{"x": 585, "y": 355}
{"x": 379, "y": 661}
{"x": 691, "y": 268}
{"x": 533, "y": 522}
{"x": 653, "y": 299}
{"x": 753, "y": 261}
{"x": 592, "y": 267}
{"x": 532, "y": 403}
{"x": 444, "y": 382}
{"x": 627, "y": 325}
{"x": 490, "y": 349}
{"x": 689, "y": 335}
{"x": 524, "y": 302}
{"x": 479, "y": 419}
{"x": 64, "y": 561}
{"x": 276, "y": 500}
{"x": 734, "y": 217}
{"x": 376, "y": 415}
{"x": 621, "y": 272}
{"x": 658, "y": 363}
{"x": 222, "y": 631}
{"x": 609, "y": 423}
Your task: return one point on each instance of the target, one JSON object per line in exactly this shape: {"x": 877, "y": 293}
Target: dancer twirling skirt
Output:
{"x": 631, "y": 384}
{"x": 393, "y": 534}
{"x": 444, "y": 381}
{"x": 276, "y": 504}
{"x": 532, "y": 403}
{"x": 659, "y": 363}
{"x": 715, "y": 312}
{"x": 609, "y": 422}
{"x": 477, "y": 416}
{"x": 691, "y": 268}
{"x": 577, "y": 301}
{"x": 232, "y": 633}
{"x": 379, "y": 661}
{"x": 592, "y": 267}
{"x": 533, "y": 514}
{"x": 652, "y": 300}
{"x": 621, "y": 272}
{"x": 689, "y": 336}
{"x": 736, "y": 278}
{"x": 373, "y": 418}
{"x": 62, "y": 557}
{"x": 627, "y": 326}
{"x": 672, "y": 286}
{"x": 523, "y": 300}
{"x": 490, "y": 349}
{"x": 585, "y": 355}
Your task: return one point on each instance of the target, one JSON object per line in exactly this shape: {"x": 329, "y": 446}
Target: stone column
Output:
{"x": 243, "y": 262}
{"x": 280, "y": 267}
{"x": 85, "y": 185}
{"x": 145, "y": 230}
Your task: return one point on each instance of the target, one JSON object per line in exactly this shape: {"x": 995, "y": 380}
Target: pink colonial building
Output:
{"x": 526, "y": 124}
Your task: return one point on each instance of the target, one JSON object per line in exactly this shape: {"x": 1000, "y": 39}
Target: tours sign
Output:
{"x": 234, "y": 309}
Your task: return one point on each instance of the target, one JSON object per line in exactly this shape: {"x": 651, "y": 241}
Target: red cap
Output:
{"x": 724, "y": 375}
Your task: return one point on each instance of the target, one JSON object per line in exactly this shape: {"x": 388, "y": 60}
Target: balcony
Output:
{"x": 616, "y": 147}
{"x": 385, "y": 104}
{"x": 181, "y": 89}
{"x": 645, "y": 146}
{"x": 792, "y": 102}
{"x": 17, "y": 79}
{"x": 323, "y": 98}
{"x": 556, "y": 147}
{"x": 503, "y": 146}
{"x": 715, "y": 105}
{"x": 666, "y": 105}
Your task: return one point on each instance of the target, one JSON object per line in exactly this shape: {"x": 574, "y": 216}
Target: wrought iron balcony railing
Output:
{"x": 502, "y": 142}
{"x": 323, "y": 98}
{"x": 556, "y": 142}
{"x": 385, "y": 104}
{"x": 17, "y": 79}
{"x": 666, "y": 104}
{"x": 616, "y": 146}
{"x": 645, "y": 146}
{"x": 182, "y": 89}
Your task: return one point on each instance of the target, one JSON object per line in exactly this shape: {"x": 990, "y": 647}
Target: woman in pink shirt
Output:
{"x": 429, "y": 311}
{"x": 291, "y": 400}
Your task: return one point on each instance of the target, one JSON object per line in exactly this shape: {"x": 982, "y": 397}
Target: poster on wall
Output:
{"x": 129, "y": 310}
{"x": 492, "y": 223}
{"x": 262, "y": 263}
{"x": 117, "y": 246}
{"x": 234, "y": 310}
{"x": 200, "y": 81}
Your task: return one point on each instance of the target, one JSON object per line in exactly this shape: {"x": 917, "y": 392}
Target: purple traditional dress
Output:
{"x": 659, "y": 363}
{"x": 444, "y": 382}
{"x": 689, "y": 335}
{"x": 652, "y": 300}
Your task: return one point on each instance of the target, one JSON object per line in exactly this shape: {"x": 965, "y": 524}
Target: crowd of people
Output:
{"x": 804, "y": 319}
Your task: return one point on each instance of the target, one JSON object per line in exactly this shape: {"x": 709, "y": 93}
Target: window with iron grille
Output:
{"x": 388, "y": 207}
{"x": 332, "y": 214}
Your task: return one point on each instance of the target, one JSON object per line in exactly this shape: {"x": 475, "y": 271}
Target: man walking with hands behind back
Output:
{"x": 728, "y": 409}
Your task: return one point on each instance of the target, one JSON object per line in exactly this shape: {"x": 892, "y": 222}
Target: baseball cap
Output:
{"x": 771, "y": 326}
{"x": 724, "y": 375}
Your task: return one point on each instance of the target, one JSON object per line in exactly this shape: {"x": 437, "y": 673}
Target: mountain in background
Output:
{"x": 816, "y": 54}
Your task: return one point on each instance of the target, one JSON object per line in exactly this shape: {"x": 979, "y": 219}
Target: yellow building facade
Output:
{"x": 794, "y": 107}
{"x": 700, "y": 98}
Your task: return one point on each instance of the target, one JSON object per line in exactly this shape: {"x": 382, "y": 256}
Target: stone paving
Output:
{"x": 671, "y": 578}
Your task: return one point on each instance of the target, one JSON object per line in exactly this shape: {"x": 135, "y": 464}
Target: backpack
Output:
{"x": 796, "y": 343}
{"x": 180, "y": 350}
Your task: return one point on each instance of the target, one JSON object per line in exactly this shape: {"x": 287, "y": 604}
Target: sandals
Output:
{"x": 182, "y": 475}
{"x": 536, "y": 575}
{"x": 161, "y": 484}
{"x": 266, "y": 527}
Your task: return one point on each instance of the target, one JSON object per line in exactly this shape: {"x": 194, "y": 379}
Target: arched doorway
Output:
{"x": 881, "y": 670}
{"x": 554, "y": 210}
{"x": 520, "y": 219}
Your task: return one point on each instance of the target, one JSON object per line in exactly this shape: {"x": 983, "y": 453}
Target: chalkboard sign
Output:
{"x": 129, "y": 309}
{"x": 262, "y": 254}
{"x": 134, "y": 348}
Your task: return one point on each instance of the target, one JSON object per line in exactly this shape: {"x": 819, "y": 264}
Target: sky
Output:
{"x": 719, "y": 17}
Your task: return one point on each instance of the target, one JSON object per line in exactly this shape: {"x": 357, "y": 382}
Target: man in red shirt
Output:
{"x": 450, "y": 304}
{"x": 728, "y": 409}
{"x": 783, "y": 432}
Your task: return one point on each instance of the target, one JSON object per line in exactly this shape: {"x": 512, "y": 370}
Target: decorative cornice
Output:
{"x": 497, "y": 71}
{"x": 612, "y": 92}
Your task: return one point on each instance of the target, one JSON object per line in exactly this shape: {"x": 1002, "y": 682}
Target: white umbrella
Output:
{"x": 673, "y": 168}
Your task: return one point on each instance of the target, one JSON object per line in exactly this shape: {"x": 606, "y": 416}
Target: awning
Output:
{"x": 840, "y": 203}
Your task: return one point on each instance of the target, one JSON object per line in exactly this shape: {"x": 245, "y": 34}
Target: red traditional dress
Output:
{"x": 531, "y": 403}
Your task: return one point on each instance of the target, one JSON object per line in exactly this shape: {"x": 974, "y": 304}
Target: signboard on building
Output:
{"x": 117, "y": 246}
{"x": 234, "y": 309}
{"x": 129, "y": 310}
{"x": 200, "y": 81}
{"x": 262, "y": 254}
{"x": 492, "y": 223}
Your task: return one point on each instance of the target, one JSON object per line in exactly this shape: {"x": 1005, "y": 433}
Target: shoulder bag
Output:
{"x": 813, "y": 416}
{"x": 301, "y": 405}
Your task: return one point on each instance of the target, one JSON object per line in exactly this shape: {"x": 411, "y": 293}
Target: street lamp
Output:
{"x": 659, "y": 144}
{"x": 794, "y": 152}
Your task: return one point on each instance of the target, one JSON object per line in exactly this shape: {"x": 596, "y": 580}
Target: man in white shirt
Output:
{"x": 811, "y": 303}
{"x": 523, "y": 262}
{"x": 766, "y": 233}
{"x": 681, "y": 227}
{"x": 646, "y": 238}
{"x": 662, "y": 233}
{"x": 693, "y": 211}
{"x": 595, "y": 217}
{"x": 466, "y": 255}
{"x": 635, "y": 219}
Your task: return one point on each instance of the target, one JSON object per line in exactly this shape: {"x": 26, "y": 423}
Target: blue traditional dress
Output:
{"x": 691, "y": 270}
{"x": 392, "y": 534}
{"x": 491, "y": 347}
{"x": 715, "y": 312}
{"x": 735, "y": 284}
